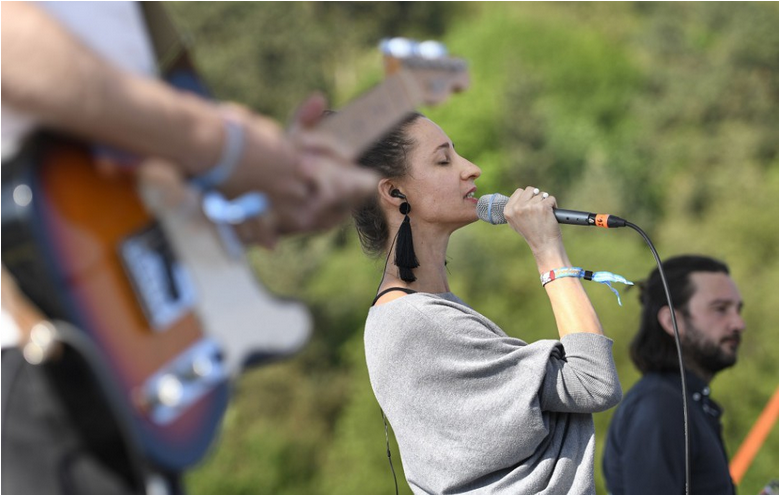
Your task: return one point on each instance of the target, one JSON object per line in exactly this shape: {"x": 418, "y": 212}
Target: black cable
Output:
{"x": 388, "y": 453}
{"x": 679, "y": 351}
{"x": 386, "y": 262}
{"x": 383, "y": 415}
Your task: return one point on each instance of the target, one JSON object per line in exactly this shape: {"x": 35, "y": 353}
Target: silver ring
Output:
{"x": 544, "y": 195}
{"x": 536, "y": 191}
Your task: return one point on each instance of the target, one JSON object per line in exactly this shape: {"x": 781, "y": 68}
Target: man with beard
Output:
{"x": 645, "y": 448}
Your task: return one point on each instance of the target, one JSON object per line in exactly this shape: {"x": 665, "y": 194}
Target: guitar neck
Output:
{"x": 366, "y": 119}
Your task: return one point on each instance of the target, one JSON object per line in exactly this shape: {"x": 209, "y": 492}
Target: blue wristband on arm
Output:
{"x": 229, "y": 158}
{"x": 216, "y": 207}
{"x": 603, "y": 277}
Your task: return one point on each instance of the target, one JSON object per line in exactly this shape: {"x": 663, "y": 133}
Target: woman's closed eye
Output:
{"x": 445, "y": 159}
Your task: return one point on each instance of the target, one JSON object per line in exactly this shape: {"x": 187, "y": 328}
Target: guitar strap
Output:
{"x": 169, "y": 45}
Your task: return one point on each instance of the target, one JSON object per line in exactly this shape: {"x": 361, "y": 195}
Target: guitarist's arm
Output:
{"x": 50, "y": 75}
{"x": 19, "y": 318}
{"x": 19, "y": 314}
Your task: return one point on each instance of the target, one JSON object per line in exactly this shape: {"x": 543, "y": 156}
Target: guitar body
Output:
{"x": 64, "y": 251}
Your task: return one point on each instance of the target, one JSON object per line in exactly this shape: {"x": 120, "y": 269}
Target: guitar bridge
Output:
{"x": 162, "y": 284}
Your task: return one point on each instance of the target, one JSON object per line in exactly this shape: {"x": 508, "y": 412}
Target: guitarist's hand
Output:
{"x": 310, "y": 187}
{"x": 335, "y": 183}
{"x": 52, "y": 77}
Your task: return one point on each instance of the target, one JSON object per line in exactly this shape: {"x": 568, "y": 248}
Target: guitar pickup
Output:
{"x": 162, "y": 284}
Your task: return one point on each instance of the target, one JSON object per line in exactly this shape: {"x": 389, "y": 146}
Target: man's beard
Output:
{"x": 704, "y": 353}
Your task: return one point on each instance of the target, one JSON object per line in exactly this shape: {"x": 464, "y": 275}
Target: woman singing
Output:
{"x": 475, "y": 410}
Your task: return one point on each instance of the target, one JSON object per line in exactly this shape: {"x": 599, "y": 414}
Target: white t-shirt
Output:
{"x": 115, "y": 30}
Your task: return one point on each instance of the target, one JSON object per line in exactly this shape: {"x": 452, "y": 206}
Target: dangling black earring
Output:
{"x": 404, "y": 256}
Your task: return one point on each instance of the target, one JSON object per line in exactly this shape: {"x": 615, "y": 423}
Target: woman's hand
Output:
{"x": 530, "y": 213}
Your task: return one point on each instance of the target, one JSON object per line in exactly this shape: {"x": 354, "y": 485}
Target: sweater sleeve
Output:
{"x": 581, "y": 376}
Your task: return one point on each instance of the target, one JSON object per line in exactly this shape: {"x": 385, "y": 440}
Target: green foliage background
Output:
{"x": 663, "y": 113}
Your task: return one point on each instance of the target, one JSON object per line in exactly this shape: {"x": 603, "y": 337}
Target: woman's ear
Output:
{"x": 390, "y": 193}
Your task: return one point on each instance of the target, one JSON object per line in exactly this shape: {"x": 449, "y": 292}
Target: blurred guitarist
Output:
{"x": 87, "y": 69}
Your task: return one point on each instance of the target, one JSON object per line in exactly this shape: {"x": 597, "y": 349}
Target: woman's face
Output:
{"x": 440, "y": 184}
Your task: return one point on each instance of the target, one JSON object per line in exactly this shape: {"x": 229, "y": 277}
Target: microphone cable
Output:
{"x": 679, "y": 351}
{"x": 388, "y": 453}
{"x": 383, "y": 415}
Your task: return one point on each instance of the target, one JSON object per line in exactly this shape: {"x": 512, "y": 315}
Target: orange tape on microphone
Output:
{"x": 602, "y": 220}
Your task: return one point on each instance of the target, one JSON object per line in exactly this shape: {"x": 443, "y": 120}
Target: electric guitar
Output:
{"x": 168, "y": 307}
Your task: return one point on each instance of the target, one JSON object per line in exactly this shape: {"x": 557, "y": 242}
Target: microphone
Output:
{"x": 490, "y": 209}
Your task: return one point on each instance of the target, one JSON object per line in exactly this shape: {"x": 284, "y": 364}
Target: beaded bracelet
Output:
{"x": 229, "y": 158}
{"x": 603, "y": 277}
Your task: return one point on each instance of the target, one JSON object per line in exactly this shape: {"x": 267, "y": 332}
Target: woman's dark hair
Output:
{"x": 652, "y": 349}
{"x": 388, "y": 157}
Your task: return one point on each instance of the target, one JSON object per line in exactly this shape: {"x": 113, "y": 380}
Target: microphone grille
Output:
{"x": 490, "y": 208}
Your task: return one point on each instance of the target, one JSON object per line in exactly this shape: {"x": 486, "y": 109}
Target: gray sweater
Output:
{"x": 476, "y": 411}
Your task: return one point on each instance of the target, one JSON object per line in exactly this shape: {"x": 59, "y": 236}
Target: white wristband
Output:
{"x": 229, "y": 158}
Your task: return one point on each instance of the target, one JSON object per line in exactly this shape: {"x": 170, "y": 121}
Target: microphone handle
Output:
{"x": 580, "y": 218}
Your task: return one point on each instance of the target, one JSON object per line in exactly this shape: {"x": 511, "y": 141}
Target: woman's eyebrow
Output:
{"x": 446, "y": 145}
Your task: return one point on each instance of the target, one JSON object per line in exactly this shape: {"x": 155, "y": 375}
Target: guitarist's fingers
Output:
{"x": 356, "y": 186}
{"x": 268, "y": 233}
{"x": 332, "y": 189}
{"x": 306, "y": 136}
{"x": 310, "y": 112}
{"x": 337, "y": 185}
{"x": 261, "y": 230}
{"x": 335, "y": 190}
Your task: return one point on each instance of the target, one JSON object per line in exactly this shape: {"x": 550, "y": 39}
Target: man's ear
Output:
{"x": 665, "y": 320}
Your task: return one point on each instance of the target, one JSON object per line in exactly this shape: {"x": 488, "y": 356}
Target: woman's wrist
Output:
{"x": 552, "y": 259}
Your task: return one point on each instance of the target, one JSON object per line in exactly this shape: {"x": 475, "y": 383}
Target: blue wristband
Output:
{"x": 603, "y": 277}
{"x": 229, "y": 159}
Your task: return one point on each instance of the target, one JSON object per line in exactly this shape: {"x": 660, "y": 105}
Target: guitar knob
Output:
{"x": 168, "y": 391}
{"x": 200, "y": 367}
{"x": 398, "y": 47}
{"x": 432, "y": 50}
{"x": 22, "y": 195}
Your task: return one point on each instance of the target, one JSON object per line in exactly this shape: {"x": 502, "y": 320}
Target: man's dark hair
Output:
{"x": 652, "y": 349}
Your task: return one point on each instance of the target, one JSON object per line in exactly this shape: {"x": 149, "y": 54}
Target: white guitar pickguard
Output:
{"x": 233, "y": 307}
